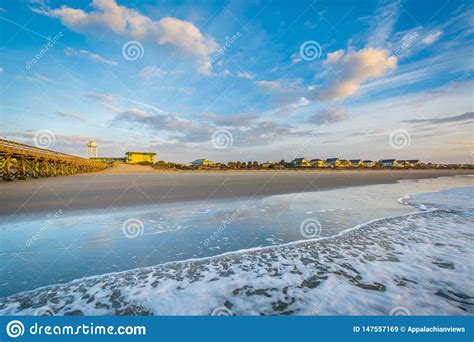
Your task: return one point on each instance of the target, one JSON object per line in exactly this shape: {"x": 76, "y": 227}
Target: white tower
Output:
{"x": 92, "y": 149}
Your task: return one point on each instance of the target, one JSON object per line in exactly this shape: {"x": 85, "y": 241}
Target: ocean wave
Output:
{"x": 420, "y": 261}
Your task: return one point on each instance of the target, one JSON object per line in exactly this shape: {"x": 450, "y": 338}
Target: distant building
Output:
{"x": 110, "y": 159}
{"x": 140, "y": 157}
{"x": 414, "y": 162}
{"x": 357, "y": 162}
{"x": 202, "y": 162}
{"x": 318, "y": 162}
{"x": 267, "y": 164}
{"x": 390, "y": 163}
{"x": 92, "y": 149}
{"x": 344, "y": 163}
{"x": 334, "y": 162}
{"x": 300, "y": 162}
{"x": 369, "y": 163}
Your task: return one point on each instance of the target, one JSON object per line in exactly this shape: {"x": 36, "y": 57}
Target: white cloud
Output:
{"x": 225, "y": 73}
{"x": 303, "y": 101}
{"x": 150, "y": 72}
{"x": 282, "y": 85}
{"x": 296, "y": 58}
{"x": 101, "y": 97}
{"x": 291, "y": 109}
{"x": 333, "y": 57}
{"x": 246, "y": 75}
{"x": 108, "y": 15}
{"x": 355, "y": 68}
{"x": 329, "y": 115}
{"x": 187, "y": 37}
{"x": 93, "y": 56}
{"x": 383, "y": 22}
{"x": 75, "y": 116}
{"x": 96, "y": 57}
{"x": 36, "y": 78}
{"x": 432, "y": 37}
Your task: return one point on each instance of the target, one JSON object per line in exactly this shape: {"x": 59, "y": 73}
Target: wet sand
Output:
{"x": 121, "y": 186}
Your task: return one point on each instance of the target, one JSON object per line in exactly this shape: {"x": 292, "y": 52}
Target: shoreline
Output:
{"x": 124, "y": 279}
{"x": 105, "y": 190}
{"x": 235, "y": 253}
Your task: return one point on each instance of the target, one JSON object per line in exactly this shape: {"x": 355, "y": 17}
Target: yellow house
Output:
{"x": 334, "y": 162}
{"x": 344, "y": 163}
{"x": 356, "y": 162}
{"x": 202, "y": 162}
{"x": 301, "y": 162}
{"x": 140, "y": 157}
{"x": 369, "y": 163}
{"x": 318, "y": 163}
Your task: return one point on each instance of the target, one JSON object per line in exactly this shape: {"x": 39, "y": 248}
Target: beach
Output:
{"x": 126, "y": 186}
{"x": 383, "y": 249}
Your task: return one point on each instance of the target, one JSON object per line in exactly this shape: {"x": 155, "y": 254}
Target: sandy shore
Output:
{"x": 121, "y": 187}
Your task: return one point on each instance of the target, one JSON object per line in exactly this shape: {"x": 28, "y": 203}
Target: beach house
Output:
{"x": 390, "y": 163}
{"x": 369, "y": 163}
{"x": 318, "y": 162}
{"x": 140, "y": 157}
{"x": 300, "y": 162}
{"x": 357, "y": 162}
{"x": 344, "y": 163}
{"x": 414, "y": 163}
{"x": 202, "y": 162}
{"x": 334, "y": 162}
{"x": 267, "y": 164}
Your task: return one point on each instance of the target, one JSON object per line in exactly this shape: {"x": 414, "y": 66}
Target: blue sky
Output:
{"x": 272, "y": 79}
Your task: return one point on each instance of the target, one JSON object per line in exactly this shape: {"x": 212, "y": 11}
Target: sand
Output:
{"x": 124, "y": 186}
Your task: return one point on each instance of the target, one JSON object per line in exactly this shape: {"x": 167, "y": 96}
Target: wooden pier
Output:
{"x": 23, "y": 161}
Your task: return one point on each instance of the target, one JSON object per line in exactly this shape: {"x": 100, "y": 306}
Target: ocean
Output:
{"x": 403, "y": 248}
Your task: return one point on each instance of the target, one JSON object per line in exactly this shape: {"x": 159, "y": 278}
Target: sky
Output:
{"x": 240, "y": 80}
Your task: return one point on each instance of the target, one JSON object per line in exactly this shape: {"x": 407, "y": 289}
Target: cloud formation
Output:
{"x": 246, "y": 75}
{"x": 247, "y": 130}
{"x": 93, "y": 56}
{"x": 328, "y": 115}
{"x": 101, "y": 97}
{"x": 355, "y": 68}
{"x": 150, "y": 72}
{"x": 75, "y": 116}
{"x": 468, "y": 116}
{"x": 383, "y": 22}
{"x": 432, "y": 37}
{"x": 130, "y": 23}
{"x": 333, "y": 57}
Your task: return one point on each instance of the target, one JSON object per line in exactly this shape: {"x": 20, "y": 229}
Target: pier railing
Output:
{"x": 24, "y": 161}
